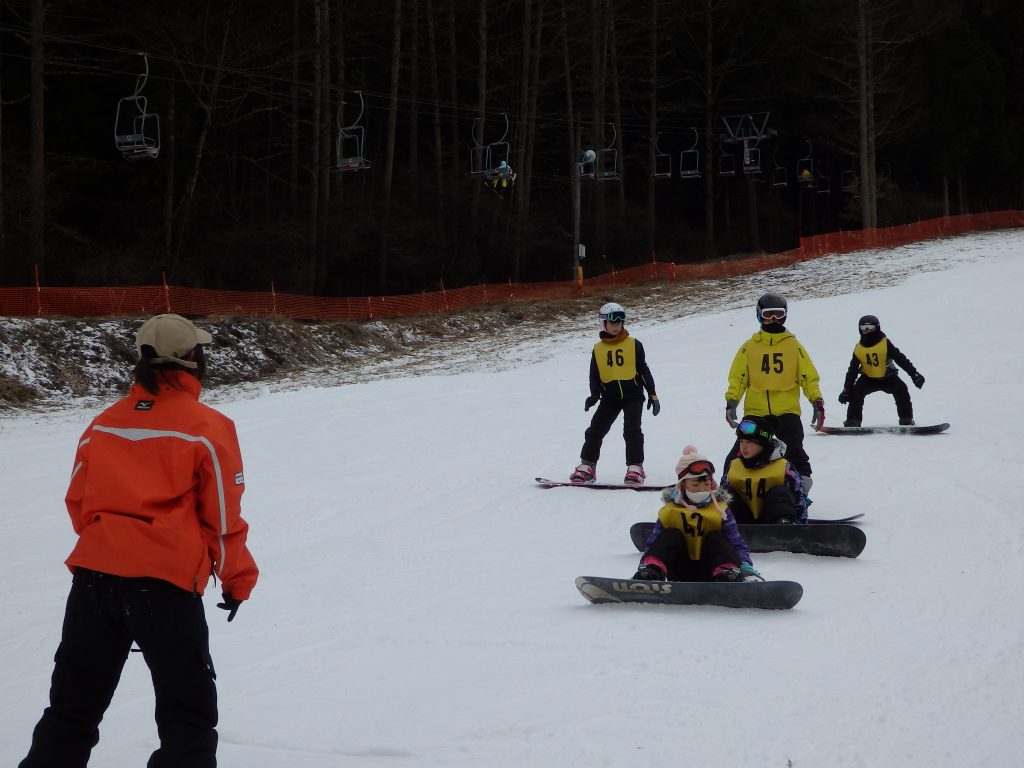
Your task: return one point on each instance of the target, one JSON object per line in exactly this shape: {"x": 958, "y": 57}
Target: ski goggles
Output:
{"x": 615, "y": 317}
{"x": 774, "y": 313}
{"x": 748, "y": 428}
{"x": 697, "y": 470}
{"x": 868, "y": 327}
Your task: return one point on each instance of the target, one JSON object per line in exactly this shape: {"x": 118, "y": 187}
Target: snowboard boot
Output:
{"x": 906, "y": 422}
{"x": 584, "y": 473}
{"x": 851, "y": 423}
{"x": 727, "y": 572}
{"x": 635, "y": 475}
{"x": 649, "y": 572}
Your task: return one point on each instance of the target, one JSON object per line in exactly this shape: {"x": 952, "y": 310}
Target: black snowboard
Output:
{"x": 836, "y": 540}
{"x": 774, "y": 595}
{"x": 930, "y": 429}
{"x": 543, "y": 482}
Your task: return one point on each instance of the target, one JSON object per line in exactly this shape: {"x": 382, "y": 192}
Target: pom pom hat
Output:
{"x": 694, "y": 464}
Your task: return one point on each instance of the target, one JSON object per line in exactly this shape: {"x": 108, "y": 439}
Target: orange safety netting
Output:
{"x": 42, "y": 301}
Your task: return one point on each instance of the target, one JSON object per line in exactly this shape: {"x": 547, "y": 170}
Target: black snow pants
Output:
{"x": 777, "y": 503}
{"x": 670, "y": 548}
{"x": 608, "y": 410}
{"x": 865, "y": 385}
{"x": 105, "y": 614}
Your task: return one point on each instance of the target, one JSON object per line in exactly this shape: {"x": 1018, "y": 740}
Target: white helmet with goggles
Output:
{"x": 612, "y": 313}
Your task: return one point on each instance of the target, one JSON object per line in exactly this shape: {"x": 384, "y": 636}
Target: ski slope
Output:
{"x": 416, "y": 604}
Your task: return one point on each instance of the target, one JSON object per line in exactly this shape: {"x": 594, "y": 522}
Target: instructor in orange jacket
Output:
{"x": 155, "y": 500}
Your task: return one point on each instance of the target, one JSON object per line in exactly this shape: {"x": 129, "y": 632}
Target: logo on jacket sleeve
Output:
{"x": 239, "y": 479}
{"x": 144, "y": 405}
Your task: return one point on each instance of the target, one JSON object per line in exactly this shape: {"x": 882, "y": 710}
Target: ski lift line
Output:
{"x": 545, "y": 119}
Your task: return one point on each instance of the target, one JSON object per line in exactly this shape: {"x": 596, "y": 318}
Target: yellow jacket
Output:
{"x": 770, "y": 370}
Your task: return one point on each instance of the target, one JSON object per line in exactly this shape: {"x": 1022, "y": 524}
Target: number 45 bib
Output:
{"x": 773, "y": 367}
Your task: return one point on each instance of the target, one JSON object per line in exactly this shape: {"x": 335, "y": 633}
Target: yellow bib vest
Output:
{"x": 773, "y": 367}
{"x": 873, "y": 360}
{"x": 616, "y": 359}
{"x": 752, "y": 484}
{"x": 694, "y": 523}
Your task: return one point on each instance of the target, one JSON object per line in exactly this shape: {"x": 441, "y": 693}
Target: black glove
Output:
{"x": 653, "y": 405}
{"x": 818, "y": 419}
{"x": 230, "y": 604}
{"x": 591, "y": 402}
{"x": 730, "y": 413}
{"x": 918, "y": 380}
{"x": 844, "y": 397}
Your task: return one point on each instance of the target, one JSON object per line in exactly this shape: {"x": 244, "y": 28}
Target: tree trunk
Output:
{"x": 573, "y": 144}
{"x": 316, "y": 130}
{"x": 293, "y": 92}
{"x": 414, "y": 109}
{"x": 709, "y": 117}
{"x": 435, "y": 96}
{"x": 525, "y": 87}
{"x": 652, "y": 129}
{"x": 168, "y": 151}
{"x": 37, "y": 157}
{"x": 481, "y": 112}
{"x": 389, "y": 153}
{"x": 324, "y": 165}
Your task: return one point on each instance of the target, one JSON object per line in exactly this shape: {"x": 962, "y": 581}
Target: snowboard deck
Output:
{"x": 929, "y": 429}
{"x": 543, "y": 482}
{"x": 835, "y": 540}
{"x": 770, "y": 595}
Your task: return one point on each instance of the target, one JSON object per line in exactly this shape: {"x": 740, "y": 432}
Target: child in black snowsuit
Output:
{"x": 875, "y": 358}
{"x": 618, "y": 377}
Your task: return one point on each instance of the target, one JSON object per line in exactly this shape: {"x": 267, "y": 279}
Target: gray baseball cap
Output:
{"x": 172, "y": 337}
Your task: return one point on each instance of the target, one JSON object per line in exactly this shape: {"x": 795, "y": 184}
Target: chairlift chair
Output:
{"x": 751, "y": 159}
{"x": 350, "y": 142}
{"x": 779, "y": 174}
{"x": 726, "y": 164}
{"x": 689, "y": 159}
{"x": 805, "y": 168}
{"x": 136, "y": 130}
{"x": 662, "y": 162}
{"x": 608, "y": 160}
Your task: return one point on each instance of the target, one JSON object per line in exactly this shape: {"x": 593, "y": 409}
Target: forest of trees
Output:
{"x": 337, "y": 148}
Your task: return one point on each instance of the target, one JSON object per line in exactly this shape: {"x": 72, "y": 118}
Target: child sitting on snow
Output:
{"x": 696, "y": 538}
{"x": 766, "y": 488}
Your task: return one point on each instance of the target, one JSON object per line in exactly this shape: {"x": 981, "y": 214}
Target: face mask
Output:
{"x": 697, "y": 497}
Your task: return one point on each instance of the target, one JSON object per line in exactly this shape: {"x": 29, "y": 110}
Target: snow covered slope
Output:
{"x": 416, "y": 605}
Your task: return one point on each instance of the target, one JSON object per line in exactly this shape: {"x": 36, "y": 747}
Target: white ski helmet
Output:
{"x": 611, "y": 311}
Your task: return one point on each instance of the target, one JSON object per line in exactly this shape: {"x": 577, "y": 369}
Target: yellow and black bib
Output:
{"x": 773, "y": 367}
{"x": 753, "y": 484}
{"x": 874, "y": 359}
{"x": 616, "y": 359}
{"x": 694, "y": 523}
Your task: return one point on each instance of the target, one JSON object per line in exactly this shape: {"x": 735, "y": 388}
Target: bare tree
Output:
{"x": 389, "y": 152}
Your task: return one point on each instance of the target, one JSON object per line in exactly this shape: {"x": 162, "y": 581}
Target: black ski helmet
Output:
{"x": 771, "y": 301}
{"x": 868, "y": 320}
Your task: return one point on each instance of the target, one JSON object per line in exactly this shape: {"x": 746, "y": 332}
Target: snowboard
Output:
{"x": 543, "y": 482}
{"x": 930, "y": 429}
{"x": 835, "y": 540}
{"x": 773, "y": 595}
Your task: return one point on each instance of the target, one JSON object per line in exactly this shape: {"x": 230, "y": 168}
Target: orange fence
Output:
{"x": 44, "y": 301}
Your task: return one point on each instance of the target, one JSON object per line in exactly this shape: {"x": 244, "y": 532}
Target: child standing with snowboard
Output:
{"x": 618, "y": 377}
{"x": 696, "y": 538}
{"x": 768, "y": 373}
{"x": 765, "y": 487}
{"x": 875, "y": 358}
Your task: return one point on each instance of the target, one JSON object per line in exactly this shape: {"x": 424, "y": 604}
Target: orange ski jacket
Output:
{"x": 156, "y": 492}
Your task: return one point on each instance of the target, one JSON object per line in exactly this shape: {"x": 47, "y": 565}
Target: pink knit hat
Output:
{"x": 694, "y": 464}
